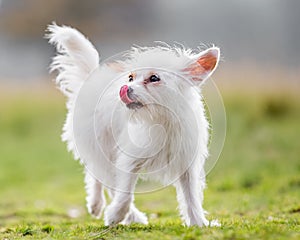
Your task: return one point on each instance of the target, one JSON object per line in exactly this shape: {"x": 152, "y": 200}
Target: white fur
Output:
{"x": 173, "y": 113}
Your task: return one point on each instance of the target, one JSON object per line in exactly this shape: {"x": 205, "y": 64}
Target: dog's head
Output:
{"x": 161, "y": 76}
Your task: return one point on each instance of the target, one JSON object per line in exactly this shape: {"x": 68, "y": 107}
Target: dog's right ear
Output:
{"x": 203, "y": 65}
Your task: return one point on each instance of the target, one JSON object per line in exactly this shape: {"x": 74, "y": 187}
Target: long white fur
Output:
{"x": 76, "y": 60}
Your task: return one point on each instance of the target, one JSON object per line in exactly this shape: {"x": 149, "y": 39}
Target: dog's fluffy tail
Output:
{"x": 76, "y": 57}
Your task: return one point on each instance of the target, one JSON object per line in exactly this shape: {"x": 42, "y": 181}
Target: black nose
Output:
{"x": 130, "y": 93}
{"x": 129, "y": 90}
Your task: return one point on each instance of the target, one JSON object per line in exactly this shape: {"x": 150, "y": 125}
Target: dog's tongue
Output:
{"x": 124, "y": 96}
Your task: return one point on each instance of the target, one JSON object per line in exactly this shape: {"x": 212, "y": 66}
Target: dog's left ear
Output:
{"x": 203, "y": 65}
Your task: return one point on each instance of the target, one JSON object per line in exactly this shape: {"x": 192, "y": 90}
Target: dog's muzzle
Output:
{"x": 127, "y": 96}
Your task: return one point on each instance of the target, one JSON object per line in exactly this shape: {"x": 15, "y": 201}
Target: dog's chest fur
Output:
{"x": 164, "y": 148}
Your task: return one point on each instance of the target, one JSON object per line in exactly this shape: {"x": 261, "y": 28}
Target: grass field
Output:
{"x": 254, "y": 190}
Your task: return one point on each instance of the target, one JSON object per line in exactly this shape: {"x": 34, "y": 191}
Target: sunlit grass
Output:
{"x": 254, "y": 189}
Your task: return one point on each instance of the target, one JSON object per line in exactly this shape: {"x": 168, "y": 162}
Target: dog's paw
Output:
{"x": 95, "y": 206}
{"x": 96, "y": 209}
{"x": 135, "y": 216}
{"x": 198, "y": 221}
{"x": 114, "y": 215}
{"x": 214, "y": 223}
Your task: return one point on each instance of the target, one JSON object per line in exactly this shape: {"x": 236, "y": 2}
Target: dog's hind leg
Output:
{"x": 95, "y": 196}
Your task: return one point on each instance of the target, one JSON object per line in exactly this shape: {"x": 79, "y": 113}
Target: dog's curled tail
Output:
{"x": 76, "y": 57}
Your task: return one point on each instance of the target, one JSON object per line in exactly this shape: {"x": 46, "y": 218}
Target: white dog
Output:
{"x": 149, "y": 121}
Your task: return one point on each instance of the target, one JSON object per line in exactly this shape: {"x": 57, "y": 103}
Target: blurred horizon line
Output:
{"x": 229, "y": 78}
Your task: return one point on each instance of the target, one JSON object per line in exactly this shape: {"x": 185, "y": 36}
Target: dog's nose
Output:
{"x": 129, "y": 90}
{"x": 125, "y": 91}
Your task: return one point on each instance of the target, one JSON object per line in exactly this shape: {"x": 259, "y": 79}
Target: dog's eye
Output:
{"x": 154, "y": 78}
{"x": 130, "y": 78}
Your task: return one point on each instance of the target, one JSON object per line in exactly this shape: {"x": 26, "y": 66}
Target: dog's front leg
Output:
{"x": 123, "y": 197}
{"x": 189, "y": 194}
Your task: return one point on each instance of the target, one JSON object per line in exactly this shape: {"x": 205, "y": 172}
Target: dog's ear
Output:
{"x": 203, "y": 65}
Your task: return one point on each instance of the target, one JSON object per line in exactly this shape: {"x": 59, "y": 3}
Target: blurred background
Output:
{"x": 258, "y": 171}
{"x": 259, "y": 39}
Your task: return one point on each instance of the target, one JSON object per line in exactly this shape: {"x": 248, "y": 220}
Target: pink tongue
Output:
{"x": 123, "y": 95}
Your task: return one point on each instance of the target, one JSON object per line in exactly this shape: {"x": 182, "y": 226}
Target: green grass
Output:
{"x": 254, "y": 190}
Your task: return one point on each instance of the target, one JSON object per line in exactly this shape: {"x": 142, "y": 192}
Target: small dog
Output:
{"x": 148, "y": 120}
